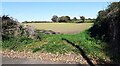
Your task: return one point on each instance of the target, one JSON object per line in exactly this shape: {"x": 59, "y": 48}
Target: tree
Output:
{"x": 67, "y": 18}
{"x": 74, "y": 18}
{"x": 89, "y": 18}
{"x": 61, "y": 19}
{"x": 55, "y": 18}
{"x": 82, "y": 18}
{"x": 64, "y": 19}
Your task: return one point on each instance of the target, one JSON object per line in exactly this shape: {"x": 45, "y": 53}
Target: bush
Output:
{"x": 107, "y": 23}
{"x": 11, "y": 27}
{"x": 8, "y": 26}
{"x": 107, "y": 28}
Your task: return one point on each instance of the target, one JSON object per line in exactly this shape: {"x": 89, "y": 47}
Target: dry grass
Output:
{"x": 66, "y": 28}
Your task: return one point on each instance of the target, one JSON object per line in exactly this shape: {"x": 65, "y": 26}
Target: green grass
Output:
{"x": 55, "y": 48}
{"x": 14, "y": 43}
{"x": 55, "y": 44}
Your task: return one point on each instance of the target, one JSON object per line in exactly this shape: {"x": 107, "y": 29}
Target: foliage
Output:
{"x": 8, "y": 25}
{"x": 55, "y": 18}
{"x": 82, "y": 18}
{"x": 60, "y": 19}
{"x": 64, "y": 19}
{"x": 107, "y": 28}
{"x": 107, "y": 23}
{"x": 89, "y": 20}
{"x": 74, "y": 18}
{"x": 11, "y": 27}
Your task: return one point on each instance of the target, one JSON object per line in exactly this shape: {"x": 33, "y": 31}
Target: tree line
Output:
{"x": 65, "y": 19}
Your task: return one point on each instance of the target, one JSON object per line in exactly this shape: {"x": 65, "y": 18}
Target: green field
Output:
{"x": 65, "y": 28}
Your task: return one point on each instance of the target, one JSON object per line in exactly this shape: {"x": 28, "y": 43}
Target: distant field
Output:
{"x": 65, "y": 28}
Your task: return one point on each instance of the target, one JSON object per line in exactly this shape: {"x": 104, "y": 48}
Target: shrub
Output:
{"x": 107, "y": 28}
{"x": 107, "y": 23}
{"x": 11, "y": 27}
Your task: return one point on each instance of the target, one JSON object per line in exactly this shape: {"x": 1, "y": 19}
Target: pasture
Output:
{"x": 65, "y": 28}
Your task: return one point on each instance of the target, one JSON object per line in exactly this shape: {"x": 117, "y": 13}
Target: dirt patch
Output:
{"x": 66, "y": 58}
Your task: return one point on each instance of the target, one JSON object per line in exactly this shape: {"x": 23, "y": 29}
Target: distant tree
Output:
{"x": 89, "y": 18}
{"x": 25, "y": 22}
{"x": 55, "y": 18}
{"x": 64, "y": 19}
{"x": 67, "y": 18}
{"x": 82, "y": 18}
{"x": 61, "y": 19}
{"x": 74, "y": 18}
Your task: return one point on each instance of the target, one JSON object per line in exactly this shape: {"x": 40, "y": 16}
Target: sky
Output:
{"x": 43, "y": 11}
{"x": 59, "y": 0}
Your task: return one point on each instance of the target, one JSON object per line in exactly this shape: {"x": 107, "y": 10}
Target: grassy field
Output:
{"x": 65, "y": 28}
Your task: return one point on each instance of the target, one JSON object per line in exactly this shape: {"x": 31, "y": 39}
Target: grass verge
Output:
{"x": 94, "y": 48}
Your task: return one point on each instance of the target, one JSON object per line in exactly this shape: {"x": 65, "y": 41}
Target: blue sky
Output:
{"x": 36, "y": 11}
{"x": 59, "y": 0}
